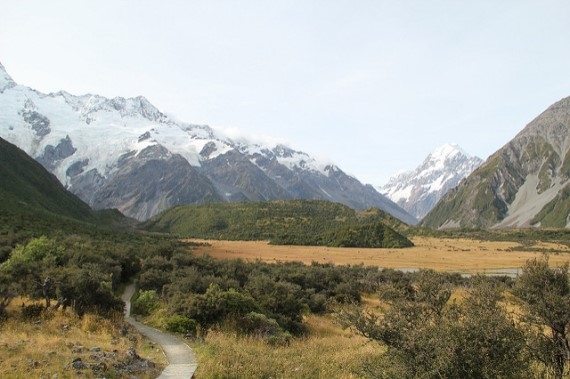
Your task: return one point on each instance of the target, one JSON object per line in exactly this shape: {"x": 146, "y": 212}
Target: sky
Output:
{"x": 371, "y": 85}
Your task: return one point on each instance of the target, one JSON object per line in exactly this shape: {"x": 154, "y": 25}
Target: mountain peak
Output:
{"x": 6, "y": 80}
{"x": 136, "y": 105}
{"x": 448, "y": 150}
{"x": 418, "y": 190}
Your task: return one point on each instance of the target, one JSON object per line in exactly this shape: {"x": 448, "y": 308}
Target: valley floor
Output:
{"x": 464, "y": 256}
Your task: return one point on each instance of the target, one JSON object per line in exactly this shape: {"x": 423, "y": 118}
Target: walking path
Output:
{"x": 181, "y": 359}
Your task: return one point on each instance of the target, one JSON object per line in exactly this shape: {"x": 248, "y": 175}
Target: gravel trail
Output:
{"x": 181, "y": 359}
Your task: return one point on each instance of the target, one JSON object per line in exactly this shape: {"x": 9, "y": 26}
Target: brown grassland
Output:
{"x": 45, "y": 347}
{"x": 440, "y": 254}
{"x": 328, "y": 352}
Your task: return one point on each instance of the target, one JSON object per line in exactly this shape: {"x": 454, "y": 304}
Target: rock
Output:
{"x": 131, "y": 353}
{"x": 101, "y": 366}
{"x": 78, "y": 364}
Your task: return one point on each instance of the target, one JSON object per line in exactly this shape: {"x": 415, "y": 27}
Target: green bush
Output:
{"x": 181, "y": 324}
{"x": 145, "y": 303}
{"x": 258, "y": 324}
{"x": 281, "y": 339}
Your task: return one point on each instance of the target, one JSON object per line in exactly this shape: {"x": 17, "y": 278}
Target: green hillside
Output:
{"x": 34, "y": 203}
{"x": 284, "y": 222}
{"x": 26, "y": 185}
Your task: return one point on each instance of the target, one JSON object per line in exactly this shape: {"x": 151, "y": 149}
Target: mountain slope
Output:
{"x": 525, "y": 183}
{"x": 125, "y": 153}
{"x": 27, "y": 187}
{"x": 418, "y": 190}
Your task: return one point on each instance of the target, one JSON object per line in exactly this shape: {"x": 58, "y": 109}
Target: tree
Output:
{"x": 488, "y": 342}
{"x": 33, "y": 264}
{"x": 9, "y": 289}
{"x": 545, "y": 295}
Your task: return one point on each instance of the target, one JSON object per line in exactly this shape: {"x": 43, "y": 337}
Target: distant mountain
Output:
{"x": 525, "y": 183}
{"x": 126, "y": 154}
{"x": 28, "y": 190}
{"x": 418, "y": 190}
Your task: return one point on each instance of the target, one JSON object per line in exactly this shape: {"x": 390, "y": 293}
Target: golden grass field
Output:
{"x": 328, "y": 352}
{"x": 440, "y": 254}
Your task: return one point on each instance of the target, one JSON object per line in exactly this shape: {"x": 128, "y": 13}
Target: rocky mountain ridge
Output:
{"x": 419, "y": 190}
{"x": 126, "y": 154}
{"x": 526, "y": 183}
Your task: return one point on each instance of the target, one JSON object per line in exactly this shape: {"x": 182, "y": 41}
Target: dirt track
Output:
{"x": 455, "y": 255}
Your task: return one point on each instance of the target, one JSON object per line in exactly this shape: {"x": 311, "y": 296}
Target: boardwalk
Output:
{"x": 181, "y": 359}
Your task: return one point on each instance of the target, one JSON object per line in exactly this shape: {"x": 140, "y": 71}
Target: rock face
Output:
{"x": 418, "y": 190}
{"x": 525, "y": 183}
{"x": 135, "y": 189}
{"x": 126, "y": 154}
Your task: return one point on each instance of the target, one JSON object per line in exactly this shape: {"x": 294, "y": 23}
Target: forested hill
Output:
{"x": 284, "y": 222}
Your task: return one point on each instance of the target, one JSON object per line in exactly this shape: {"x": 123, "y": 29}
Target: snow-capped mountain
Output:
{"x": 419, "y": 190}
{"x": 126, "y": 154}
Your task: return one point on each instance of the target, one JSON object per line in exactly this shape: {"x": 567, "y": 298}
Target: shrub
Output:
{"x": 268, "y": 329}
{"x": 281, "y": 339}
{"x": 258, "y": 324}
{"x": 32, "y": 311}
{"x": 145, "y": 303}
{"x": 181, "y": 324}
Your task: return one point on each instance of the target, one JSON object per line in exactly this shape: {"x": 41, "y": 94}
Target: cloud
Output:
{"x": 239, "y": 135}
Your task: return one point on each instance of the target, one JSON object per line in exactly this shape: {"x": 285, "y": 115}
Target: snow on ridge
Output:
{"x": 303, "y": 161}
{"x": 6, "y": 80}
{"x": 97, "y": 132}
{"x": 103, "y": 129}
{"x": 398, "y": 194}
{"x": 292, "y": 159}
{"x": 448, "y": 150}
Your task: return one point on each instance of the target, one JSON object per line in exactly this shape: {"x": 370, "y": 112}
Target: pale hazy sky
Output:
{"x": 374, "y": 86}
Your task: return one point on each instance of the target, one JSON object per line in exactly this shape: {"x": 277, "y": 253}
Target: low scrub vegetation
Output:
{"x": 263, "y": 299}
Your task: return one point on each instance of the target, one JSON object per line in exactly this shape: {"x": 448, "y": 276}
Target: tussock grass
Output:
{"x": 441, "y": 254}
{"x": 45, "y": 347}
{"x": 328, "y": 352}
